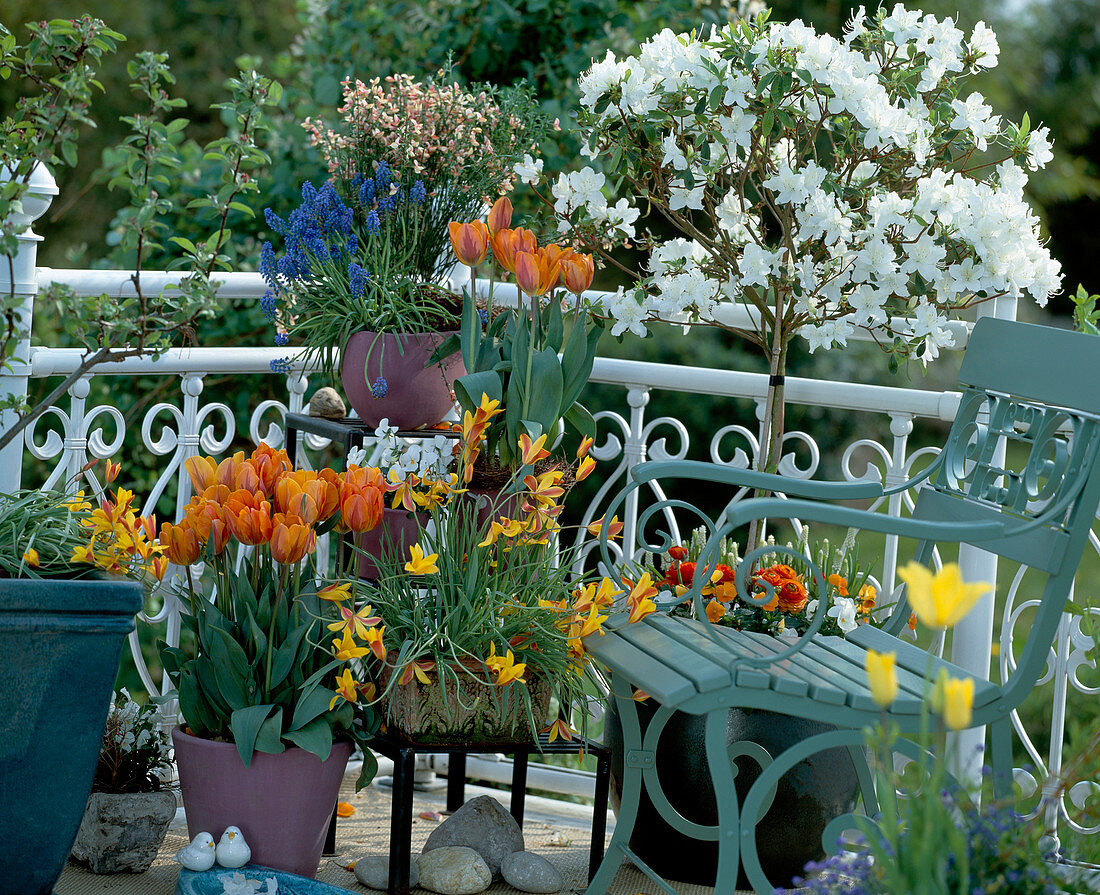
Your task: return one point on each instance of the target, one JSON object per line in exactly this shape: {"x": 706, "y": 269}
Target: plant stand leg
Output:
{"x": 330, "y": 836}
{"x": 599, "y": 811}
{"x": 456, "y": 781}
{"x": 519, "y": 786}
{"x": 401, "y": 822}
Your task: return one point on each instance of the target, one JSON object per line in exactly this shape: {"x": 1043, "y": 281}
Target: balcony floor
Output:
{"x": 557, "y": 830}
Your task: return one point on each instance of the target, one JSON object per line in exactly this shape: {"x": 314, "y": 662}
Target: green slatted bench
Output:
{"x": 1035, "y": 387}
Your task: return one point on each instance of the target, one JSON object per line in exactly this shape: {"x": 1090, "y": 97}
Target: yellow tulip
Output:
{"x": 940, "y": 600}
{"x": 346, "y": 689}
{"x": 953, "y": 698}
{"x": 882, "y": 676}
{"x": 419, "y": 564}
{"x": 345, "y": 648}
{"x": 31, "y": 557}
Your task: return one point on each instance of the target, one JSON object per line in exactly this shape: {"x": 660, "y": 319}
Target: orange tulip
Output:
{"x": 180, "y": 542}
{"x": 249, "y": 517}
{"x": 577, "y": 271}
{"x": 291, "y": 539}
{"x": 536, "y": 272}
{"x": 208, "y": 519}
{"x": 361, "y": 509}
{"x": 269, "y": 465}
{"x": 201, "y": 470}
{"x": 227, "y": 470}
{"x": 469, "y": 241}
{"x": 112, "y": 472}
{"x": 500, "y": 217}
{"x": 508, "y": 243}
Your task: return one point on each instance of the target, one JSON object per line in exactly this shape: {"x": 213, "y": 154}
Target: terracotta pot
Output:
{"x": 418, "y": 394}
{"x": 61, "y": 642}
{"x": 281, "y": 803}
{"x": 432, "y": 713}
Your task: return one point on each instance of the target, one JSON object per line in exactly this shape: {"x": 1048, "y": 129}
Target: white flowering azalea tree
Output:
{"x": 826, "y": 184}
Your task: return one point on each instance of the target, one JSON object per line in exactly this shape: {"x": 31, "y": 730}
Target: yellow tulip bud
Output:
{"x": 882, "y": 677}
{"x": 940, "y": 600}
{"x": 953, "y": 698}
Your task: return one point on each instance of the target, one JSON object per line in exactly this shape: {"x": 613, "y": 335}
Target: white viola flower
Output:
{"x": 757, "y": 264}
{"x": 356, "y": 456}
{"x": 629, "y": 315}
{"x": 681, "y": 197}
{"x": 844, "y": 610}
{"x": 811, "y": 606}
{"x": 983, "y": 44}
{"x": 1038, "y": 148}
{"x": 529, "y": 170}
{"x": 974, "y": 116}
{"x": 621, "y": 216}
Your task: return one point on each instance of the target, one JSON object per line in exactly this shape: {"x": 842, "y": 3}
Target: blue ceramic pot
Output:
{"x": 60, "y": 644}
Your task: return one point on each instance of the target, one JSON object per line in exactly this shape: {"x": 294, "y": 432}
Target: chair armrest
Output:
{"x": 752, "y": 478}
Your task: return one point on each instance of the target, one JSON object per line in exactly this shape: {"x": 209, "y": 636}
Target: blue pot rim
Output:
{"x": 77, "y": 597}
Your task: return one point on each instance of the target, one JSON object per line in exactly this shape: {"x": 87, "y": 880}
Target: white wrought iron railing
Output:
{"x": 189, "y": 421}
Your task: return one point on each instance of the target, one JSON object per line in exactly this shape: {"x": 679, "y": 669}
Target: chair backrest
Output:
{"x": 1025, "y": 449}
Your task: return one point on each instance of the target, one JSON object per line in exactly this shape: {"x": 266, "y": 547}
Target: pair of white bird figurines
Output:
{"x": 231, "y": 851}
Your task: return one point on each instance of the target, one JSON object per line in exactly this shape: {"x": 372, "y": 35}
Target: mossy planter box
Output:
{"x": 61, "y": 642}
{"x": 485, "y": 713}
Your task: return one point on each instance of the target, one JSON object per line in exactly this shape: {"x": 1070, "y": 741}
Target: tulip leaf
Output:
{"x": 315, "y": 737}
{"x": 577, "y": 360}
{"x": 270, "y": 737}
{"x": 245, "y": 724}
{"x": 232, "y": 653}
{"x": 579, "y": 418}
{"x": 544, "y": 400}
{"x": 193, "y": 707}
{"x": 555, "y": 328}
{"x": 471, "y": 332}
{"x": 514, "y": 403}
{"x": 445, "y": 349}
{"x": 285, "y": 655}
{"x": 207, "y": 676}
{"x": 470, "y": 388}
{"x": 315, "y": 698}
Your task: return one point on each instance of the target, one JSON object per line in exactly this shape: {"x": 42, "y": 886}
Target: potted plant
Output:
{"x": 819, "y": 788}
{"x": 532, "y": 358}
{"x": 364, "y": 257}
{"x": 60, "y": 622}
{"x": 477, "y": 626}
{"x": 129, "y": 809}
{"x": 269, "y": 714}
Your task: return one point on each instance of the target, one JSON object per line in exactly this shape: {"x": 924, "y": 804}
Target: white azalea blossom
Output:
{"x": 887, "y": 228}
{"x": 529, "y": 170}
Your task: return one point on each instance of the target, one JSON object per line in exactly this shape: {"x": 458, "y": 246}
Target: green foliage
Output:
{"x": 134, "y": 748}
{"x": 42, "y": 521}
{"x": 1086, "y": 316}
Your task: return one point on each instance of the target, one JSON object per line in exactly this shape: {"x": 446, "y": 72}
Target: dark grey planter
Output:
{"x": 122, "y": 831}
{"x": 60, "y": 643}
{"x": 809, "y": 795}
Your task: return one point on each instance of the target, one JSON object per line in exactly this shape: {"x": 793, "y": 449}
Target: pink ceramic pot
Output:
{"x": 398, "y": 529}
{"x": 417, "y": 396}
{"x": 282, "y": 803}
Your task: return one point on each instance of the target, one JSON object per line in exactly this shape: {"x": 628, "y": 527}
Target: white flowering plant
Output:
{"x": 398, "y": 458}
{"x": 826, "y": 184}
{"x": 135, "y": 750}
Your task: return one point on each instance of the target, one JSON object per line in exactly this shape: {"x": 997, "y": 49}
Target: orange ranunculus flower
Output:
{"x": 291, "y": 538}
{"x": 469, "y": 241}
{"x": 536, "y": 272}
{"x": 577, "y": 271}
{"x": 249, "y": 517}
{"x": 507, "y": 243}
{"x": 181, "y": 542}
{"x": 202, "y": 471}
{"x": 500, "y": 217}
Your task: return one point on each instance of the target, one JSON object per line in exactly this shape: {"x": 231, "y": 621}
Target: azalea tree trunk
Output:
{"x": 773, "y": 425}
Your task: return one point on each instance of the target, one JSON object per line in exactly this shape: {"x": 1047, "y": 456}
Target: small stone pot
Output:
{"x": 281, "y": 803}
{"x": 418, "y": 393}
{"x": 812, "y": 793}
{"x": 122, "y": 832}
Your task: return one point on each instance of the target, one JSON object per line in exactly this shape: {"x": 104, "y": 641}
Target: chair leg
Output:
{"x": 601, "y": 880}
{"x": 1000, "y": 753}
{"x": 725, "y": 792}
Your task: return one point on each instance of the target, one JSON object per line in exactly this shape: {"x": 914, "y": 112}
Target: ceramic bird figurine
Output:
{"x": 232, "y": 850}
{"x": 199, "y": 855}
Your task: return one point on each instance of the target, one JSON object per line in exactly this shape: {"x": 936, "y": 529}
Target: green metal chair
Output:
{"x": 1035, "y": 387}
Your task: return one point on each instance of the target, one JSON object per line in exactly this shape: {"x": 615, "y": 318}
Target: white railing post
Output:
{"x": 637, "y": 397}
{"x": 19, "y": 276}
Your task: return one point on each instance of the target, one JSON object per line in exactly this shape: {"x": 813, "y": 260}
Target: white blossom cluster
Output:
{"x": 133, "y": 728}
{"x": 844, "y": 174}
{"x": 398, "y": 458}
